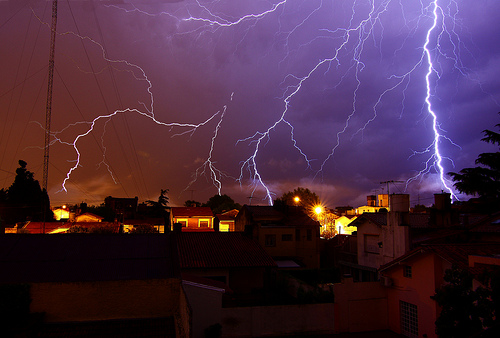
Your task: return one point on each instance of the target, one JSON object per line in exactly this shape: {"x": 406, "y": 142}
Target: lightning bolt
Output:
{"x": 347, "y": 47}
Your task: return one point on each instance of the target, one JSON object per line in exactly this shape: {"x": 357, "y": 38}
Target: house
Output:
{"x": 125, "y": 208}
{"x": 228, "y": 257}
{"x": 290, "y": 236}
{"x": 226, "y": 220}
{"x": 97, "y": 285}
{"x": 384, "y": 236}
{"x": 412, "y": 279}
{"x": 88, "y": 217}
{"x": 343, "y": 225}
{"x": 61, "y": 213}
{"x": 193, "y": 218}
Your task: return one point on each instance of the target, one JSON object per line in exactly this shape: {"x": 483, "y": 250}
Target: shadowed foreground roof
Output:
{"x": 220, "y": 250}
{"x": 86, "y": 257}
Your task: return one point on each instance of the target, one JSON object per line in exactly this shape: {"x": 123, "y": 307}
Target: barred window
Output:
{"x": 409, "y": 319}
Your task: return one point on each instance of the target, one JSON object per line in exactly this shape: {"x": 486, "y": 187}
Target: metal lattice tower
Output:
{"x": 48, "y": 108}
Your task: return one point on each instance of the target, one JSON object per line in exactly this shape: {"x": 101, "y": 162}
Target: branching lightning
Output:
{"x": 347, "y": 59}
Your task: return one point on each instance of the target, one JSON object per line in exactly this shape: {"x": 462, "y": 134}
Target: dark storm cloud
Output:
{"x": 197, "y": 68}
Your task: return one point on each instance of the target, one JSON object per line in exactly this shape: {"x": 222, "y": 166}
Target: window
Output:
{"x": 371, "y": 244}
{"x": 409, "y": 319}
{"x": 407, "y": 271}
{"x": 203, "y": 224}
{"x": 286, "y": 237}
{"x": 309, "y": 235}
{"x": 297, "y": 234}
{"x": 270, "y": 240}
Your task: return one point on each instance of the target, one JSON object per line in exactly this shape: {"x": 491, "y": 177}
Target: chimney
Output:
{"x": 399, "y": 202}
{"x": 441, "y": 215}
{"x": 216, "y": 224}
{"x": 371, "y": 200}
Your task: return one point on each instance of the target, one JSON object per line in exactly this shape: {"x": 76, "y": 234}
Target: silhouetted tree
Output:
{"x": 159, "y": 207}
{"x": 484, "y": 179}
{"x": 221, "y": 203}
{"x": 24, "y": 199}
{"x": 191, "y": 203}
{"x": 465, "y": 311}
{"x": 306, "y": 198}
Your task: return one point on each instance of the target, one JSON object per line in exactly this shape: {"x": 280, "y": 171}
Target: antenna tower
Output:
{"x": 48, "y": 107}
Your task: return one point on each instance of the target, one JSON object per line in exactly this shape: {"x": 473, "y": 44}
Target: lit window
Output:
{"x": 286, "y": 237}
{"x": 203, "y": 224}
{"x": 270, "y": 240}
{"x": 407, "y": 271}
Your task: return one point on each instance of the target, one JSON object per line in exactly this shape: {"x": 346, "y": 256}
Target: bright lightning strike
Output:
{"x": 345, "y": 64}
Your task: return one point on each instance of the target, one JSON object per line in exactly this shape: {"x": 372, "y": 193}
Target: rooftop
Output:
{"x": 86, "y": 257}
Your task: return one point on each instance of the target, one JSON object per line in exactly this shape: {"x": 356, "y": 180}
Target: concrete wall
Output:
{"x": 206, "y": 306}
{"x": 107, "y": 300}
{"x": 277, "y": 320}
{"x": 360, "y": 306}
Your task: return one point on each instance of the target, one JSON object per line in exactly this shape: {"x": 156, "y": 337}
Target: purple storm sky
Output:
{"x": 327, "y": 95}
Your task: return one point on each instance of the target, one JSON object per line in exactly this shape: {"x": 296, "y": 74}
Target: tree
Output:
{"x": 159, "y": 207}
{"x": 306, "y": 198}
{"x": 24, "y": 199}
{"x": 192, "y": 203}
{"x": 221, "y": 203}
{"x": 465, "y": 311}
{"x": 484, "y": 179}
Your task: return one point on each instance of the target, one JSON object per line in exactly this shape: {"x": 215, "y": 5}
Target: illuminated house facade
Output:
{"x": 88, "y": 217}
{"x": 343, "y": 225}
{"x": 290, "y": 236}
{"x": 226, "y": 220}
{"x": 193, "y": 218}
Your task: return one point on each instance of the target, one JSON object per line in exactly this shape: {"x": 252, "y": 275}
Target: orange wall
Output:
{"x": 427, "y": 275}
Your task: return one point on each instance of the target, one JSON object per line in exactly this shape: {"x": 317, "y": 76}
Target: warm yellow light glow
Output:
{"x": 296, "y": 199}
{"x": 318, "y": 210}
{"x": 64, "y": 206}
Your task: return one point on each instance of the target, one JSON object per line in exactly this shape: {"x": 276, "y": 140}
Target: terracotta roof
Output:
{"x": 488, "y": 224}
{"x": 456, "y": 254}
{"x": 38, "y": 227}
{"x": 192, "y": 212}
{"x": 416, "y": 220}
{"x": 90, "y": 215}
{"x": 378, "y": 218}
{"x": 86, "y": 257}
{"x": 220, "y": 250}
{"x": 292, "y": 216}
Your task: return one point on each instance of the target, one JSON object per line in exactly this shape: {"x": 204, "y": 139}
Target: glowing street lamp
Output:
{"x": 296, "y": 199}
